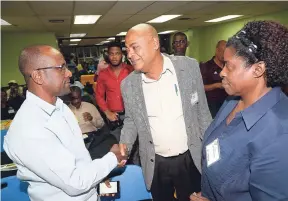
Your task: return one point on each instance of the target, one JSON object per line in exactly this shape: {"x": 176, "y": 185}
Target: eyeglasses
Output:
{"x": 179, "y": 42}
{"x": 61, "y": 68}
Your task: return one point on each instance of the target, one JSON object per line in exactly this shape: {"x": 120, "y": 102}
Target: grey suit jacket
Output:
{"x": 196, "y": 115}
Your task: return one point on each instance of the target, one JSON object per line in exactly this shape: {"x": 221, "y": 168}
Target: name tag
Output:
{"x": 194, "y": 98}
{"x": 212, "y": 152}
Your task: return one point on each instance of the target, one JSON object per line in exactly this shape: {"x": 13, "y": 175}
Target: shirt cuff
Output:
{"x": 111, "y": 157}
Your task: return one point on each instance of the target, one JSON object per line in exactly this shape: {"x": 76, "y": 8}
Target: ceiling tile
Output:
{"x": 57, "y": 8}
{"x": 113, "y": 19}
{"x": 129, "y": 7}
{"x": 191, "y": 7}
{"x": 162, "y": 7}
{"x": 16, "y": 8}
{"x": 93, "y": 7}
{"x": 136, "y": 19}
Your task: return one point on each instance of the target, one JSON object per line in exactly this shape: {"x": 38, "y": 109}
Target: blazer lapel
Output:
{"x": 140, "y": 100}
{"x": 183, "y": 83}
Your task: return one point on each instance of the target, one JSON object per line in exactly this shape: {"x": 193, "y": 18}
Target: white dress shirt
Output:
{"x": 165, "y": 113}
{"x": 46, "y": 144}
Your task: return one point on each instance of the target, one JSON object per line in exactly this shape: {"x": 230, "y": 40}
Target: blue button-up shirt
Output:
{"x": 253, "y": 162}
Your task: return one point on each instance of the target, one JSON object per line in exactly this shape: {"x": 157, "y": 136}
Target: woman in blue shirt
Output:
{"x": 245, "y": 149}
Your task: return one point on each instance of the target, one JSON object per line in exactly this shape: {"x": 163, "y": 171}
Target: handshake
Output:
{"x": 121, "y": 153}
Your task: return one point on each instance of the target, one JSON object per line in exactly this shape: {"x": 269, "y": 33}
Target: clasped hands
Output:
{"x": 121, "y": 153}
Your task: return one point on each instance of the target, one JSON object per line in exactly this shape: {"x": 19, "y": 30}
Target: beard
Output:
{"x": 115, "y": 65}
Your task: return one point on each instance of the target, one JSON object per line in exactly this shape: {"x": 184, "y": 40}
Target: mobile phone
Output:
{"x": 103, "y": 189}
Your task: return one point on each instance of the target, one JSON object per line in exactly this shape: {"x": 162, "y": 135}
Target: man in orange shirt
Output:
{"x": 108, "y": 93}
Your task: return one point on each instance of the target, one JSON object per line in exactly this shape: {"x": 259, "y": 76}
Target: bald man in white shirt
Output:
{"x": 44, "y": 139}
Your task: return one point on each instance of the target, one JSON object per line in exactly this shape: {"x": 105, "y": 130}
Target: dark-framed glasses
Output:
{"x": 61, "y": 68}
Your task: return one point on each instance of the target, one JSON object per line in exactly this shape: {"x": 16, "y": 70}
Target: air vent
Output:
{"x": 184, "y": 18}
{"x": 56, "y": 21}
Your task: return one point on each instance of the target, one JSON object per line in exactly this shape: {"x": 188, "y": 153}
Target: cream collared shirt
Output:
{"x": 87, "y": 126}
{"x": 165, "y": 113}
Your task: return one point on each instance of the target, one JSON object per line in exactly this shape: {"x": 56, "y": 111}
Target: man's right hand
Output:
{"x": 123, "y": 150}
{"x": 120, "y": 158}
{"x": 112, "y": 116}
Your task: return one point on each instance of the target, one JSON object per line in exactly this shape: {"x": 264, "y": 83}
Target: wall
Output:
{"x": 203, "y": 40}
{"x": 11, "y": 46}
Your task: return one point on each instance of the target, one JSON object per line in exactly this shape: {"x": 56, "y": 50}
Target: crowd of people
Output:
{"x": 210, "y": 131}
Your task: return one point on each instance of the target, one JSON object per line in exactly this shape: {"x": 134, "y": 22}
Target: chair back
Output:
{"x": 3, "y": 133}
{"x": 12, "y": 189}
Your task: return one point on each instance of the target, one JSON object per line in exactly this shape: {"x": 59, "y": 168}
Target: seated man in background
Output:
{"x": 98, "y": 140}
{"x": 7, "y": 112}
{"x": 210, "y": 71}
{"x": 12, "y": 86}
{"x": 15, "y": 99}
{"x": 89, "y": 119}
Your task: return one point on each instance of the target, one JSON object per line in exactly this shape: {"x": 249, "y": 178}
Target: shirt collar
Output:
{"x": 45, "y": 106}
{"x": 167, "y": 66}
{"x": 255, "y": 112}
{"x": 72, "y": 107}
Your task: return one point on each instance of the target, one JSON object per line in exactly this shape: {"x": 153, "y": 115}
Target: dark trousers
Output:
{"x": 175, "y": 173}
{"x": 101, "y": 142}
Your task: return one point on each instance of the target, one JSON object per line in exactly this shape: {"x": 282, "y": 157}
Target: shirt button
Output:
{"x": 151, "y": 142}
{"x": 152, "y": 160}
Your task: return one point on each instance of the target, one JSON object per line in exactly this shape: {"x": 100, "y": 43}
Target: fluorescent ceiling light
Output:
{"x": 112, "y": 38}
{"x": 4, "y": 23}
{"x": 86, "y": 19}
{"x": 163, "y": 18}
{"x": 227, "y": 17}
{"x": 166, "y": 32}
{"x": 75, "y": 40}
{"x": 105, "y": 41}
{"x": 121, "y": 34}
{"x": 73, "y": 44}
{"x": 80, "y": 35}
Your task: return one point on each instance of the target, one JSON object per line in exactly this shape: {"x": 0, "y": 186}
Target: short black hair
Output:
{"x": 114, "y": 44}
{"x": 76, "y": 89}
{"x": 265, "y": 41}
{"x": 179, "y": 34}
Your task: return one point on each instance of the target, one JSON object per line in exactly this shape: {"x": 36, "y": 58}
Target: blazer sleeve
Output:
{"x": 129, "y": 130}
{"x": 269, "y": 173}
{"x": 204, "y": 115}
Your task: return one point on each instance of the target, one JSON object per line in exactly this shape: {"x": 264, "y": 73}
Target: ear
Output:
{"x": 36, "y": 77}
{"x": 259, "y": 69}
{"x": 188, "y": 43}
{"x": 156, "y": 43}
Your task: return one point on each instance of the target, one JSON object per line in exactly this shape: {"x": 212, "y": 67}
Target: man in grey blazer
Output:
{"x": 166, "y": 107}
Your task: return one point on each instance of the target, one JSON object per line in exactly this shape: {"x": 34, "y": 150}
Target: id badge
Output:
{"x": 213, "y": 152}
